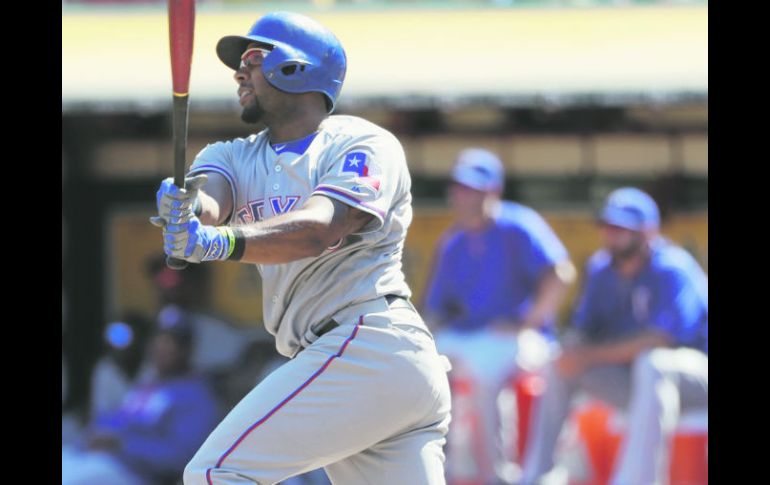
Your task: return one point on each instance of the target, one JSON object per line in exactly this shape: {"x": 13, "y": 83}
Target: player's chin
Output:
{"x": 252, "y": 113}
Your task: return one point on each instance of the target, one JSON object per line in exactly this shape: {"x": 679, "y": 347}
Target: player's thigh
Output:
{"x": 416, "y": 458}
{"x": 275, "y": 431}
{"x": 353, "y": 388}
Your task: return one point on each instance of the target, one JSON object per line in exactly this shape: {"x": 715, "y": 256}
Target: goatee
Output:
{"x": 634, "y": 248}
{"x": 252, "y": 113}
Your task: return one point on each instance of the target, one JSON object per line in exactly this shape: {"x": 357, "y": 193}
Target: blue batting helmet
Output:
{"x": 304, "y": 55}
{"x": 630, "y": 208}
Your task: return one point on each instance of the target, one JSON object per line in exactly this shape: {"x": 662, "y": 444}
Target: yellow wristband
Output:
{"x": 231, "y": 240}
{"x": 228, "y": 233}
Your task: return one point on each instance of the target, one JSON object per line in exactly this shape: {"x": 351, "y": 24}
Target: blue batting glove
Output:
{"x": 176, "y": 203}
{"x": 195, "y": 242}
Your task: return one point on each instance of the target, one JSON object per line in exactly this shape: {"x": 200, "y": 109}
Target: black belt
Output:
{"x": 332, "y": 324}
{"x": 327, "y": 327}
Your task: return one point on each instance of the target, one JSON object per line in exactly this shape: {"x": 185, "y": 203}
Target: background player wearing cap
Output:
{"x": 120, "y": 365}
{"x": 158, "y": 426}
{"x": 321, "y": 204}
{"x": 639, "y": 342}
{"x": 499, "y": 276}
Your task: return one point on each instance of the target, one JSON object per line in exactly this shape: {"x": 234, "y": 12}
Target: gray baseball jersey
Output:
{"x": 348, "y": 159}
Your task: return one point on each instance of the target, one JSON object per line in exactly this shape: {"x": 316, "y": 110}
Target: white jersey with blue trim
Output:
{"x": 348, "y": 159}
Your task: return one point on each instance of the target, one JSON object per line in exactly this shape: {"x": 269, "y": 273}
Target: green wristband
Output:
{"x": 228, "y": 232}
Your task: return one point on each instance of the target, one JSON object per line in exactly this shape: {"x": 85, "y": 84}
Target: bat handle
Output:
{"x": 174, "y": 263}
{"x": 180, "y": 149}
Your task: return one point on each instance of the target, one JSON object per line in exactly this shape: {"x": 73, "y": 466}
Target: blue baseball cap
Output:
{"x": 119, "y": 335}
{"x": 479, "y": 169}
{"x": 174, "y": 321}
{"x": 630, "y": 208}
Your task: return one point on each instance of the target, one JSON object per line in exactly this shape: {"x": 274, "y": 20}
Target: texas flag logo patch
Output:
{"x": 356, "y": 162}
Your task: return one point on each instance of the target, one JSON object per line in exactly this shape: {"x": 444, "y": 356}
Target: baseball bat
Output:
{"x": 181, "y": 24}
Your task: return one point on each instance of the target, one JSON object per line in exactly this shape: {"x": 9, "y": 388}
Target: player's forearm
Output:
{"x": 622, "y": 352}
{"x": 304, "y": 233}
{"x": 550, "y": 295}
{"x": 285, "y": 238}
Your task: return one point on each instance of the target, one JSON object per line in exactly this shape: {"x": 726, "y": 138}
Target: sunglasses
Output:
{"x": 253, "y": 57}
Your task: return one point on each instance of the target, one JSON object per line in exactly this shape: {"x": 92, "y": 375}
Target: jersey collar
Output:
{"x": 295, "y": 146}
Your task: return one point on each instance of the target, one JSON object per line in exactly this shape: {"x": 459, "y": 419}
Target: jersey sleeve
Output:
{"x": 439, "y": 290}
{"x": 218, "y": 158}
{"x": 546, "y": 249}
{"x": 367, "y": 174}
{"x": 679, "y": 311}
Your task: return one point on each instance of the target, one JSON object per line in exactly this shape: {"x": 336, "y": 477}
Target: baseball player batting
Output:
{"x": 321, "y": 205}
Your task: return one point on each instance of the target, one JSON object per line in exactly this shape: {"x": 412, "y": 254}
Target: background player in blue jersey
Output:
{"x": 499, "y": 276}
{"x": 158, "y": 426}
{"x": 639, "y": 341}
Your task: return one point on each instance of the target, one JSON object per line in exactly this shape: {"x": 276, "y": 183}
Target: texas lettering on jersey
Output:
{"x": 255, "y": 210}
